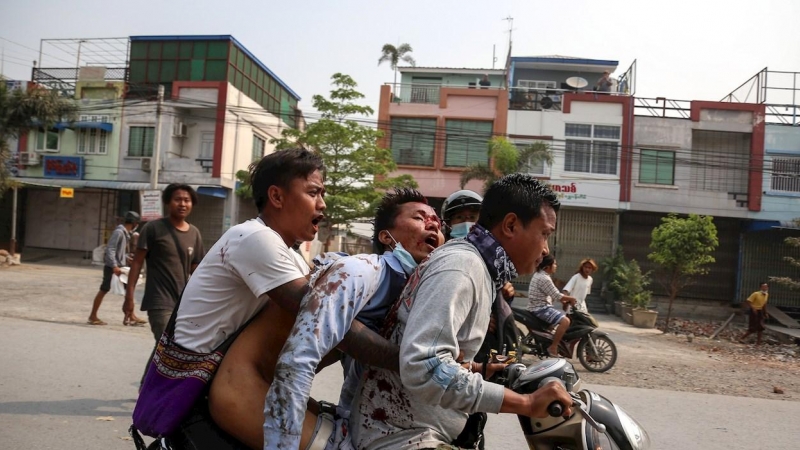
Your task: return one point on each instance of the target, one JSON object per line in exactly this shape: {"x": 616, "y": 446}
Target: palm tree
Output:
{"x": 393, "y": 55}
{"x": 508, "y": 158}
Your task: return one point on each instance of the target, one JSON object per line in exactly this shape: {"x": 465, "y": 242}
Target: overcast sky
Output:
{"x": 698, "y": 49}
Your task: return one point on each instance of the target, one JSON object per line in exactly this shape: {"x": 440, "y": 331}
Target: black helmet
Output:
{"x": 132, "y": 217}
{"x": 458, "y": 200}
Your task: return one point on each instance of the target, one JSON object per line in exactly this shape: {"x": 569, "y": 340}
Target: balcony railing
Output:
{"x": 425, "y": 93}
{"x": 541, "y": 99}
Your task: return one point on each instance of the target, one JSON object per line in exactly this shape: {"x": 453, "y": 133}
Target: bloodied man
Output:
{"x": 345, "y": 292}
{"x": 442, "y": 317}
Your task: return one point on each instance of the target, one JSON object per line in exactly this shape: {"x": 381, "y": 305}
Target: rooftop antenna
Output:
{"x": 510, "y": 29}
{"x": 494, "y": 55}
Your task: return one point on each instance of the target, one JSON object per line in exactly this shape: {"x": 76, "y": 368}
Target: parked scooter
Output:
{"x": 596, "y": 422}
{"x": 595, "y": 350}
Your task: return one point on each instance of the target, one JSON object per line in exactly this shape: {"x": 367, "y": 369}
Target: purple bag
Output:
{"x": 176, "y": 378}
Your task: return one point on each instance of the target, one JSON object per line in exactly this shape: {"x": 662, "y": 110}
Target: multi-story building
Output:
{"x": 221, "y": 107}
{"x": 552, "y": 100}
{"x": 737, "y": 160}
{"x": 81, "y": 155}
{"x": 620, "y": 162}
{"x": 438, "y": 120}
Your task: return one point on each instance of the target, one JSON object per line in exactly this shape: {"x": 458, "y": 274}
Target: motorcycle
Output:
{"x": 595, "y": 350}
{"x": 595, "y": 424}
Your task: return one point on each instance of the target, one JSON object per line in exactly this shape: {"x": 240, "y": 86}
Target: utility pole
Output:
{"x": 156, "y": 159}
{"x": 13, "y": 244}
{"x": 78, "y": 61}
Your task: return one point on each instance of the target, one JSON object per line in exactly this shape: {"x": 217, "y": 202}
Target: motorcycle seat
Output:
{"x": 529, "y": 320}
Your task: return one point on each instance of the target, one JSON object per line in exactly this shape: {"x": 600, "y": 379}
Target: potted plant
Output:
{"x": 642, "y": 316}
{"x": 630, "y": 283}
{"x": 609, "y": 267}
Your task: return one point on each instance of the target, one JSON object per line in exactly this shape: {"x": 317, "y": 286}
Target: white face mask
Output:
{"x": 402, "y": 255}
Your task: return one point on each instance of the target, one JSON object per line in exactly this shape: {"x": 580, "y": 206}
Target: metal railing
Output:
{"x": 662, "y": 107}
{"x": 540, "y": 99}
{"x": 425, "y": 93}
{"x": 777, "y": 90}
{"x": 63, "y": 79}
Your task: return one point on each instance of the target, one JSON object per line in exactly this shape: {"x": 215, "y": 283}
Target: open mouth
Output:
{"x": 316, "y": 221}
{"x": 432, "y": 241}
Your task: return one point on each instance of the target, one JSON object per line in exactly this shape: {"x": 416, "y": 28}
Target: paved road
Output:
{"x": 58, "y": 376}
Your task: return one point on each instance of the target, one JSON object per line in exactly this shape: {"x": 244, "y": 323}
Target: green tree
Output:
{"x": 357, "y": 168}
{"x": 393, "y": 55}
{"x": 682, "y": 249}
{"x": 22, "y": 111}
{"x": 793, "y": 242}
{"x": 508, "y": 158}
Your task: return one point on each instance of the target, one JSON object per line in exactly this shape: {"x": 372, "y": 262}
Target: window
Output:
{"x": 206, "y": 145}
{"x": 466, "y": 142}
{"x": 92, "y": 142}
{"x": 258, "y": 148}
{"x": 47, "y": 141}
{"x": 786, "y": 174}
{"x": 657, "y": 167}
{"x": 140, "y": 142}
{"x": 413, "y": 141}
{"x": 536, "y": 84}
{"x": 591, "y": 148}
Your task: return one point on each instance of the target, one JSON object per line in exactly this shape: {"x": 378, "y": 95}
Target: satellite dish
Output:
{"x": 577, "y": 82}
{"x": 546, "y": 102}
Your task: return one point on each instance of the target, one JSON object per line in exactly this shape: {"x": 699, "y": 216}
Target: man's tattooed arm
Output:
{"x": 368, "y": 347}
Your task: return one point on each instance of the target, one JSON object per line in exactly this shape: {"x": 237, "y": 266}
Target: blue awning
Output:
{"x": 213, "y": 191}
{"x": 105, "y": 126}
{"x": 760, "y": 225}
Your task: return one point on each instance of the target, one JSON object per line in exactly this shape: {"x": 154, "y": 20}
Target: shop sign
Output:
{"x": 587, "y": 193}
{"x": 151, "y": 205}
{"x": 70, "y": 167}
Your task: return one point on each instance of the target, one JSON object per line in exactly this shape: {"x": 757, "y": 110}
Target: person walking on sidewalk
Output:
{"x": 114, "y": 258}
{"x": 172, "y": 248}
{"x": 756, "y": 306}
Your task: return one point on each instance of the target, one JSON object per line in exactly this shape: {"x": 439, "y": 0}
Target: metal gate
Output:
{"x": 635, "y": 233}
{"x": 762, "y": 258}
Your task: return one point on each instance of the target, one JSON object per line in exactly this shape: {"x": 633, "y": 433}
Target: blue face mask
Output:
{"x": 402, "y": 255}
{"x": 460, "y": 230}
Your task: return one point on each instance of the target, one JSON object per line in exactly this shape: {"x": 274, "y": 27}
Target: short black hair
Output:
{"x": 279, "y": 169}
{"x": 388, "y": 210}
{"x": 517, "y": 193}
{"x": 547, "y": 261}
{"x": 166, "y": 196}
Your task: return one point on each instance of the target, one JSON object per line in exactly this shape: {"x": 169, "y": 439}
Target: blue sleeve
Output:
{"x": 338, "y": 293}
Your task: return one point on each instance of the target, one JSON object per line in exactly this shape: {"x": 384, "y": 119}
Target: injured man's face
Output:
{"x": 418, "y": 228}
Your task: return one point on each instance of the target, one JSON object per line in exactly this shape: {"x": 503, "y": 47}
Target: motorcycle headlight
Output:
{"x": 637, "y": 435}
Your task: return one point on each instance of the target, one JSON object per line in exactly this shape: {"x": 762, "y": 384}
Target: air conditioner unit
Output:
{"x": 145, "y": 164}
{"x": 179, "y": 130}
{"x": 29, "y": 159}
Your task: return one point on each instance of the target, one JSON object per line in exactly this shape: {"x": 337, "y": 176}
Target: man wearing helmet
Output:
{"x": 460, "y": 211}
{"x": 115, "y": 258}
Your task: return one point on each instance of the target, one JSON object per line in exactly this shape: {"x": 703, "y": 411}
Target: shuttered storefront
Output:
{"x": 64, "y": 223}
{"x": 635, "y": 233}
{"x": 762, "y": 258}
{"x": 580, "y": 233}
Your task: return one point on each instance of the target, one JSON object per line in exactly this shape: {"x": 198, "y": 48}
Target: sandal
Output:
{"x": 96, "y": 322}
{"x": 134, "y": 322}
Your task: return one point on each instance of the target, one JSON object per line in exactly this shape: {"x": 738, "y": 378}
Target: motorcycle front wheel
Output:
{"x": 599, "y": 359}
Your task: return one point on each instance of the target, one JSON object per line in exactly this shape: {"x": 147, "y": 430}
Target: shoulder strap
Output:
{"x": 178, "y": 247}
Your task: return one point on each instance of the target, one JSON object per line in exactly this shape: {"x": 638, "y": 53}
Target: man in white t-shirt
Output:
{"x": 580, "y": 285}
